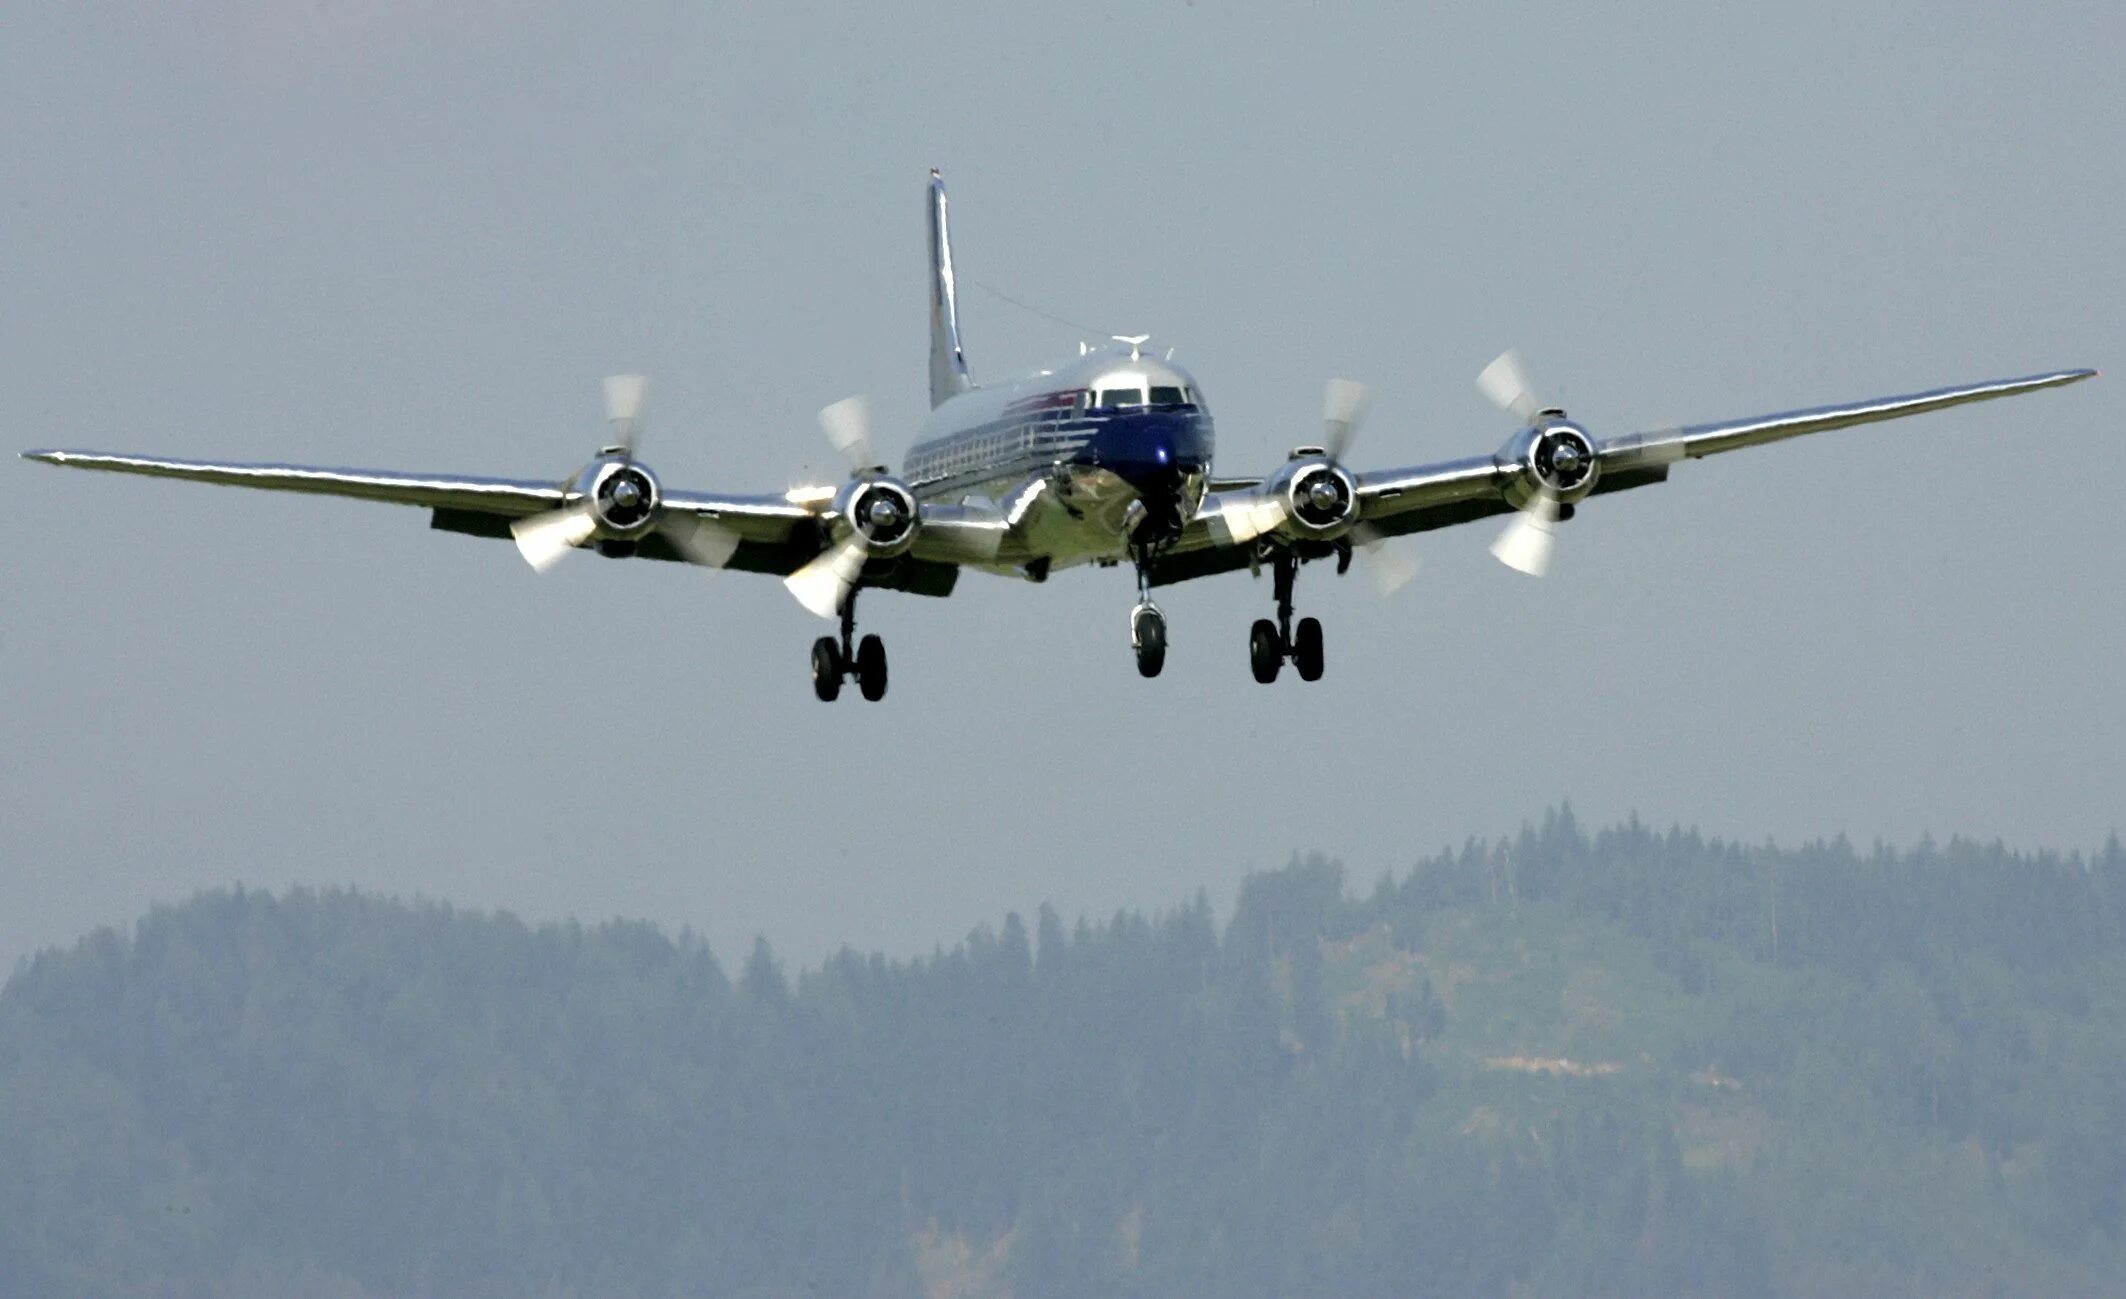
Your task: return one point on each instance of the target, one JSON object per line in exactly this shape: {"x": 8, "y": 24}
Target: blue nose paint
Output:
{"x": 1149, "y": 450}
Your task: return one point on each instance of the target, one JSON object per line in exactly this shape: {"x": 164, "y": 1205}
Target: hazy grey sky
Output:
{"x": 408, "y": 235}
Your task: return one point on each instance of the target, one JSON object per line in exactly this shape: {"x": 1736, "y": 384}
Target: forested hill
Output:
{"x": 1631, "y": 1063}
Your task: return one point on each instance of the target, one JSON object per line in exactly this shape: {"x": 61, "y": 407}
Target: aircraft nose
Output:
{"x": 1152, "y": 451}
{"x": 1175, "y": 443}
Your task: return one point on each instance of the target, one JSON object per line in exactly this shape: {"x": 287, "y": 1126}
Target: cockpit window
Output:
{"x": 1167, "y": 397}
{"x": 1122, "y": 397}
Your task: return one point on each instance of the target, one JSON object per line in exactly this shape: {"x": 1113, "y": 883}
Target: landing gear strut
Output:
{"x": 833, "y": 660}
{"x": 1271, "y": 643}
{"x": 1147, "y": 625}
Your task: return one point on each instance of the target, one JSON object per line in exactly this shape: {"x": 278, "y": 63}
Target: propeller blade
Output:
{"x": 1526, "y": 544}
{"x": 1389, "y": 566}
{"x": 823, "y": 584}
{"x": 625, "y": 395}
{"x": 544, "y": 538}
{"x": 1343, "y": 409}
{"x": 1243, "y": 520}
{"x": 847, "y": 424}
{"x": 1506, "y": 384}
{"x": 699, "y": 541}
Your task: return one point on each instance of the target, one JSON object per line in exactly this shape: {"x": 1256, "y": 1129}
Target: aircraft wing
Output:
{"x": 1653, "y": 450}
{"x": 1395, "y": 502}
{"x": 504, "y": 497}
{"x": 773, "y": 534}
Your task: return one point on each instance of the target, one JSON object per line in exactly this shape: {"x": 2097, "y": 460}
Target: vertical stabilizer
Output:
{"x": 948, "y": 364}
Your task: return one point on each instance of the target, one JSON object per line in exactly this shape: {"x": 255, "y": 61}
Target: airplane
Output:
{"x": 1102, "y": 459}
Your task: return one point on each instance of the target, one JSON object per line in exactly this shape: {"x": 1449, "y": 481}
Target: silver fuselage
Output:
{"x": 1082, "y": 459}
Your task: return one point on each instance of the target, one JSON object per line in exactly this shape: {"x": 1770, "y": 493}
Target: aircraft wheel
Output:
{"x": 1150, "y": 629}
{"x": 871, "y": 668}
{"x": 1265, "y": 650}
{"x": 826, "y": 669}
{"x": 1306, "y": 649}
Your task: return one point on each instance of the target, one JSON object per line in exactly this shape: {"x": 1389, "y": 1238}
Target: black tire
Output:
{"x": 826, "y": 669}
{"x": 871, "y": 668}
{"x": 1151, "y": 645}
{"x": 1306, "y": 649}
{"x": 1265, "y": 650}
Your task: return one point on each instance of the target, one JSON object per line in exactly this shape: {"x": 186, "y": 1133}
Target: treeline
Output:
{"x": 1626, "y": 1063}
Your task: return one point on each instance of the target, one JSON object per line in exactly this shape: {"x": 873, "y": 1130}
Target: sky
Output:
{"x": 415, "y": 236}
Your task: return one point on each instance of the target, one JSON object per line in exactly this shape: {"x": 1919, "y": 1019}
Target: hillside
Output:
{"x": 1626, "y": 1063}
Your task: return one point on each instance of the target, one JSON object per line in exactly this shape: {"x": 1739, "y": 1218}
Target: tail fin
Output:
{"x": 948, "y": 364}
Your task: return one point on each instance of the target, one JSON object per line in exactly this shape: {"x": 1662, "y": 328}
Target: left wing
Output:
{"x": 1653, "y": 450}
{"x": 1394, "y": 502}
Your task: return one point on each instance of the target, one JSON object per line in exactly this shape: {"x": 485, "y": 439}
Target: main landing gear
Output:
{"x": 833, "y": 660}
{"x": 1271, "y": 643}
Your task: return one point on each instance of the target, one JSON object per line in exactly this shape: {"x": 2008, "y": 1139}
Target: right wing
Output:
{"x": 462, "y": 503}
{"x": 505, "y": 497}
{"x": 774, "y": 534}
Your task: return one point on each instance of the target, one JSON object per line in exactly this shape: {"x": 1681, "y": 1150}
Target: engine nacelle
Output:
{"x": 1319, "y": 497}
{"x": 881, "y": 511}
{"x": 1556, "y": 458}
{"x": 624, "y": 497}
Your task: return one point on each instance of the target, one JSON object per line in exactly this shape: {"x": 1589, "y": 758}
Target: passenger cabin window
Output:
{"x": 1122, "y": 397}
{"x": 1167, "y": 397}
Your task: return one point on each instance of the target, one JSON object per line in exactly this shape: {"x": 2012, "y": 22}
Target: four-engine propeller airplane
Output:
{"x": 1104, "y": 459}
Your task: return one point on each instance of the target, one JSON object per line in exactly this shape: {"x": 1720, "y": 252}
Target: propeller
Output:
{"x": 1344, "y": 406}
{"x": 1527, "y": 544}
{"x": 545, "y": 539}
{"x": 825, "y": 583}
{"x": 625, "y": 395}
{"x": 1389, "y": 567}
{"x": 1345, "y": 403}
{"x": 1505, "y": 382}
{"x": 822, "y": 585}
{"x": 1343, "y": 409}
{"x": 847, "y": 424}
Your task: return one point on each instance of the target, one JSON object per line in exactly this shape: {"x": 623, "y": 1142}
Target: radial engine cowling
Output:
{"x": 624, "y": 497}
{"x": 1557, "y": 460}
{"x": 880, "y": 513}
{"x": 1319, "y": 497}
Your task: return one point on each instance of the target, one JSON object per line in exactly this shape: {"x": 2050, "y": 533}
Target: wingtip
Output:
{"x": 48, "y": 457}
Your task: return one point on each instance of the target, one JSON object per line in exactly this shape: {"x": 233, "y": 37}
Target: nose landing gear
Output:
{"x": 835, "y": 660}
{"x": 1270, "y": 644}
{"x": 1147, "y": 625}
{"x": 1147, "y": 635}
